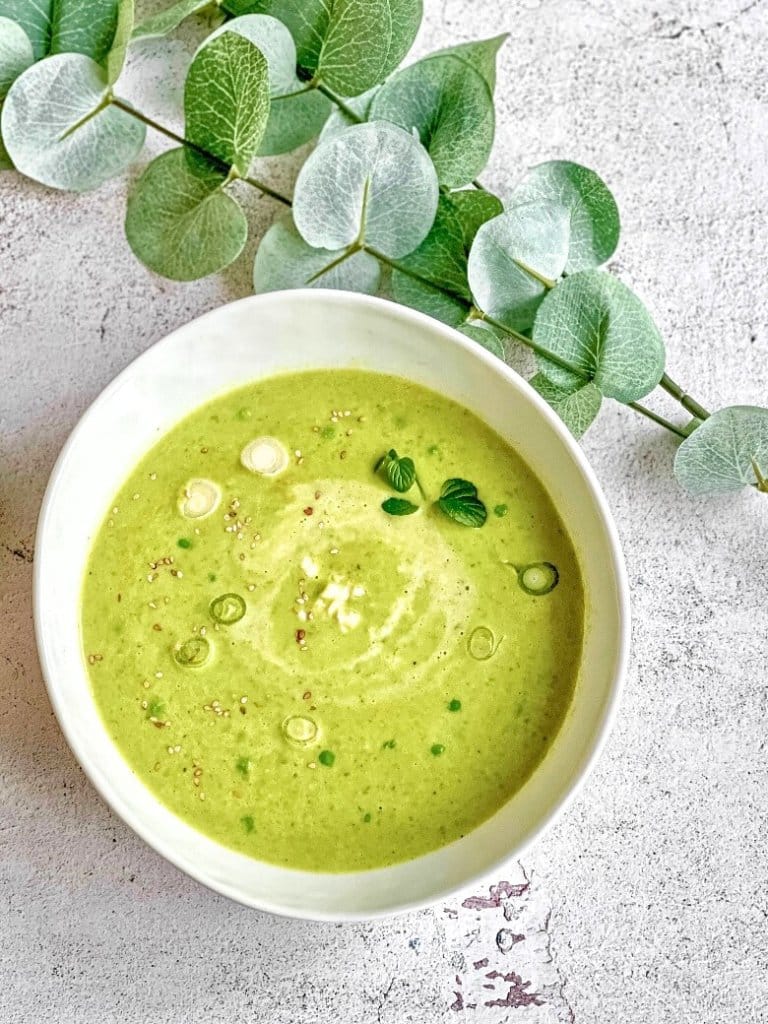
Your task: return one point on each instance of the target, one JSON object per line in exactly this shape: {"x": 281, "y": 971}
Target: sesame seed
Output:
{"x": 297, "y": 453}
{"x": 115, "y": 510}
{"x": 153, "y": 476}
{"x": 203, "y": 631}
{"x": 145, "y": 705}
{"x": 342, "y": 455}
{"x": 136, "y": 496}
{"x": 349, "y": 433}
{"x": 334, "y": 551}
{"x": 157, "y": 627}
{"x": 307, "y": 695}
{"x": 153, "y": 604}
{"x": 361, "y": 419}
{"x": 241, "y": 557}
{"x": 203, "y": 451}
{"x": 243, "y": 700}
{"x": 158, "y": 675}
{"x": 145, "y": 684}
{"x": 202, "y": 796}
{"x": 251, "y": 587}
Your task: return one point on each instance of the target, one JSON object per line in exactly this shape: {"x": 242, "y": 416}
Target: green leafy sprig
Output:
{"x": 458, "y": 498}
{"x": 388, "y": 202}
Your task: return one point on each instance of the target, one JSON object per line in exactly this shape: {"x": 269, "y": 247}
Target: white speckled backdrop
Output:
{"x": 647, "y": 902}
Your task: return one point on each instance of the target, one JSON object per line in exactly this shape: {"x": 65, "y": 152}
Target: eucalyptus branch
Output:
{"x": 412, "y": 155}
{"x": 170, "y": 134}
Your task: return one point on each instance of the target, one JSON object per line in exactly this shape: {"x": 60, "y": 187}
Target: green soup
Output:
{"x": 298, "y": 674}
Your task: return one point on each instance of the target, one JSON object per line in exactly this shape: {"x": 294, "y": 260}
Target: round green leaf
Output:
{"x": 226, "y": 100}
{"x": 60, "y": 129}
{"x": 598, "y": 325}
{"x": 34, "y": 18}
{"x": 350, "y": 44}
{"x": 441, "y": 259}
{"x": 338, "y": 121}
{"x": 66, "y": 26}
{"x": 364, "y": 41}
{"x": 486, "y": 337}
{"x": 180, "y": 222}
{"x": 594, "y": 216}
{"x": 516, "y": 258}
{"x": 481, "y": 54}
{"x": 450, "y": 104}
{"x": 284, "y": 260}
{"x": 275, "y": 42}
{"x": 294, "y": 120}
{"x": 373, "y": 183}
{"x": 576, "y": 405}
{"x": 297, "y": 112}
{"x": 721, "y": 454}
{"x": 16, "y": 53}
{"x": 170, "y": 18}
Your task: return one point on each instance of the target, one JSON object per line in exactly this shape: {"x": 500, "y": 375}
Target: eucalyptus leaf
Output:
{"x": 441, "y": 259}
{"x": 60, "y": 129}
{"x": 34, "y": 18}
{"x": 294, "y": 120}
{"x": 16, "y": 53}
{"x": 721, "y": 454}
{"x": 276, "y": 43}
{"x": 577, "y": 406}
{"x": 179, "y": 222}
{"x": 226, "y": 100}
{"x": 372, "y": 184}
{"x": 121, "y": 39}
{"x": 450, "y": 104}
{"x": 170, "y": 18}
{"x": 284, "y": 260}
{"x": 351, "y": 45}
{"x": 598, "y": 325}
{"x": 297, "y": 112}
{"x": 364, "y": 41}
{"x": 66, "y": 26}
{"x": 481, "y": 54}
{"x": 486, "y": 337}
{"x": 516, "y": 258}
{"x": 339, "y": 120}
{"x": 594, "y": 216}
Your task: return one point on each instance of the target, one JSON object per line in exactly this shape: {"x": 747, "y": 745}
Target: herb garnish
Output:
{"x": 459, "y": 501}
{"x": 399, "y": 507}
{"x": 400, "y": 472}
{"x": 458, "y": 498}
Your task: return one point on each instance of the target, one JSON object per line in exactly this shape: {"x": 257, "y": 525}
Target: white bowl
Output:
{"x": 301, "y": 330}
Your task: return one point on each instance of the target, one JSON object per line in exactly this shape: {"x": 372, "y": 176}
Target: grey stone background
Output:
{"x": 647, "y": 901}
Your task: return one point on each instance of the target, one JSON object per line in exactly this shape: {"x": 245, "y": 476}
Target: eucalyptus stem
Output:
{"x": 170, "y": 134}
{"x": 335, "y": 98}
{"x": 651, "y": 415}
{"x": 688, "y": 403}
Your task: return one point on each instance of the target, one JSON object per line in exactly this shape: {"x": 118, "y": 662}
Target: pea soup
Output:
{"x": 332, "y": 620}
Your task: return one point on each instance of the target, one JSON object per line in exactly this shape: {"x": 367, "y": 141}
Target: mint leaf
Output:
{"x": 401, "y": 473}
{"x": 399, "y": 507}
{"x": 459, "y": 501}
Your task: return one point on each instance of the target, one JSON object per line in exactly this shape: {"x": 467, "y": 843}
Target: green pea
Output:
{"x": 243, "y": 765}
{"x": 326, "y": 757}
{"x": 184, "y": 542}
{"x": 437, "y": 749}
{"x": 248, "y": 823}
{"x": 454, "y": 705}
{"x": 500, "y": 510}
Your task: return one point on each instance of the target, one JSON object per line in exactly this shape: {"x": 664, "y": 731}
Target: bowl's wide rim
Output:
{"x": 449, "y": 336}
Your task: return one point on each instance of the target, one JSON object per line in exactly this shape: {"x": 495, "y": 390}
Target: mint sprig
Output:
{"x": 400, "y": 472}
{"x": 459, "y": 501}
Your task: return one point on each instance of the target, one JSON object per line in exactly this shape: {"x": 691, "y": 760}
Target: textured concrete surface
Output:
{"x": 647, "y": 902}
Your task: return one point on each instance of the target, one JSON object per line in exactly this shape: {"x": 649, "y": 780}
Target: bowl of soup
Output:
{"x": 329, "y": 604}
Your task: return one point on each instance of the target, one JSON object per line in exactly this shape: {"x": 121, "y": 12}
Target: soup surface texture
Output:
{"x": 304, "y": 677}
